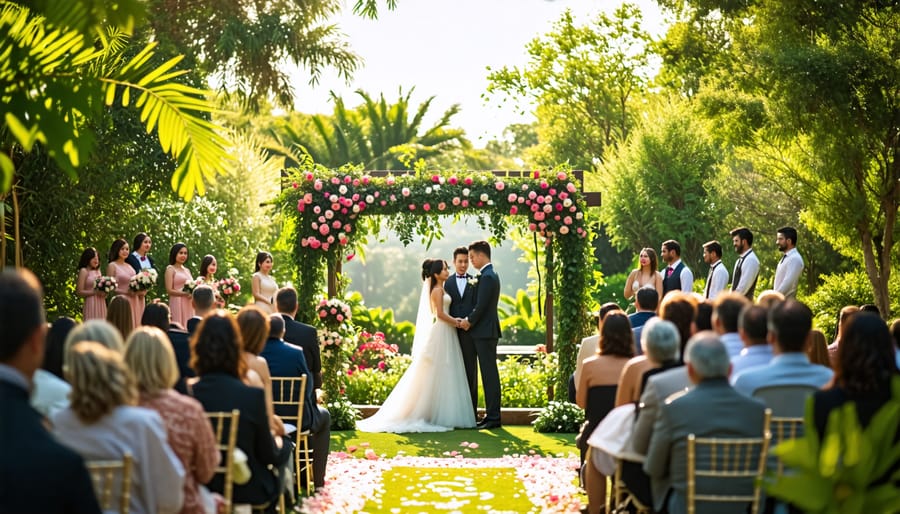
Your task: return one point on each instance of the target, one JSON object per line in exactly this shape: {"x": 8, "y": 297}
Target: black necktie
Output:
{"x": 709, "y": 278}
{"x": 737, "y": 274}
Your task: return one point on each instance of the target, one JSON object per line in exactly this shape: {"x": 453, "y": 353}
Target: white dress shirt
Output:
{"x": 749, "y": 271}
{"x": 717, "y": 282}
{"x": 687, "y": 276}
{"x": 787, "y": 274}
{"x": 461, "y": 284}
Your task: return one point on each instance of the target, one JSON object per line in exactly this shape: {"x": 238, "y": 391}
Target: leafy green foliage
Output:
{"x": 376, "y": 135}
{"x": 61, "y": 78}
{"x": 838, "y": 290}
{"x": 658, "y": 184}
{"x": 847, "y": 469}
{"x": 378, "y": 319}
{"x": 584, "y": 80}
{"x": 520, "y": 320}
{"x": 343, "y": 414}
{"x": 559, "y": 417}
{"x": 372, "y": 386}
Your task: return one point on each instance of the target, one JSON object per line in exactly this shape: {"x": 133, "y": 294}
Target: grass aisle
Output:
{"x": 513, "y": 469}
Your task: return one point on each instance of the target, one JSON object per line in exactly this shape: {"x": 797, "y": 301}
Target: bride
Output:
{"x": 433, "y": 393}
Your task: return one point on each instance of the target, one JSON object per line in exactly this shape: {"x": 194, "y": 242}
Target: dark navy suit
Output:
{"x": 306, "y": 337}
{"x": 460, "y": 307}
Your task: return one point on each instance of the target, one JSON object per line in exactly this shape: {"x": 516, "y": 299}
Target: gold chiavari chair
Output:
{"x": 783, "y": 429}
{"x": 105, "y": 474}
{"x": 291, "y": 392}
{"x": 225, "y": 428}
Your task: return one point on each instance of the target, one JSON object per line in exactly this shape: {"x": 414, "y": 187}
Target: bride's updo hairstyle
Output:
{"x": 430, "y": 268}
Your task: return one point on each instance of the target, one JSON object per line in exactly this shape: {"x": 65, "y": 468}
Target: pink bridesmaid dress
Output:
{"x": 180, "y": 306}
{"x": 94, "y": 305}
{"x": 124, "y": 272}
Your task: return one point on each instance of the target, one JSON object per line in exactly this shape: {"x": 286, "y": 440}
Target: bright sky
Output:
{"x": 444, "y": 48}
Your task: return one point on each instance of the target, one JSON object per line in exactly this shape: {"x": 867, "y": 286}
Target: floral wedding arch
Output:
{"x": 330, "y": 212}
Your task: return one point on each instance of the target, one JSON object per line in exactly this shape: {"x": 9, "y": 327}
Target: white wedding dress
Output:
{"x": 433, "y": 394}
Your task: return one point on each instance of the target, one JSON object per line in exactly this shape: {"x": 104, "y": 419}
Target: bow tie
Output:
{"x": 144, "y": 258}
{"x": 460, "y": 276}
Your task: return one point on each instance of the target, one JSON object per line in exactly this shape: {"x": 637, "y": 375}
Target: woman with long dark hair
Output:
{"x": 88, "y": 272}
{"x": 262, "y": 284}
{"x": 645, "y": 276}
{"x": 433, "y": 393}
{"x": 177, "y": 275}
{"x": 123, "y": 272}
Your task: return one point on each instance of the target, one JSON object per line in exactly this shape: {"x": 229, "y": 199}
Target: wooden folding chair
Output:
{"x": 225, "y": 428}
{"x": 622, "y": 497}
{"x": 291, "y": 392}
{"x": 730, "y": 459}
{"x": 105, "y": 474}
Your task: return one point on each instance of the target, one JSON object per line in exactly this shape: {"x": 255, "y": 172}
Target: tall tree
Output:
{"x": 246, "y": 45}
{"x": 828, "y": 74}
{"x": 583, "y": 80}
{"x": 377, "y": 134}
{"x": 659, "y": 184}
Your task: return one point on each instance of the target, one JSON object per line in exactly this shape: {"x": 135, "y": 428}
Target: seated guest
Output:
{"x": 754, "y": 334}
{"x": 216, "y": 357}
{"x": 895, "y": 333}
{"x": 102, "y": 424}
{"x": 658, "y": 352}
{"x": 254, "y": 326}
{"x": 789, "y": 324}
{"x": 726, "y": 311}
{"x": 595, "y": 393}
{"x": 769, "y": 298}
{"x": 646, "y": 301}
{"x": 119, "y": 315}
{"x": 203, "y": 300}
{"x": 37, "y": 473}
{"x": 843, "y": 318}
{"x": 703, "y": 315}
{"x": 50, "y": 393}
{"x": 711, "y": 409}
{"x": 681, "y": 309}
{"x": 98, "y": 331}
{"x": 287, "y": 360}
{"x": 300, "y": 334}
{"x": 158, "y": 315}
{"x": 589, "y": 346}
{"x": 817, "y": 348}
{"x": 865, "y": 368}
{"x": 150, "y": 357}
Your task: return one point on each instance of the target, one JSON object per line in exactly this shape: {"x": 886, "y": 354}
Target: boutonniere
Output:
{"x": 474, "y": 280}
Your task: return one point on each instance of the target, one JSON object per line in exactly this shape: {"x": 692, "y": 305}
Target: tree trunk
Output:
{"x": 877, "y": 277}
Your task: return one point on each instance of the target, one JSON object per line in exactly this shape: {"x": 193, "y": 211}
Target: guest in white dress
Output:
{"x": 646, "y": 275}
{"x": 102, "y": 424}
{"x": 263, "y": 285}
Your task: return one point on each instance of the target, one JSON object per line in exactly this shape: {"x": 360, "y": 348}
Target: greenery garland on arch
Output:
{"x": 329, "y": 213}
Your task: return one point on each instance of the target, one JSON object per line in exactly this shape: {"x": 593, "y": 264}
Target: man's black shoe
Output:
{"x": 486, "y": 425}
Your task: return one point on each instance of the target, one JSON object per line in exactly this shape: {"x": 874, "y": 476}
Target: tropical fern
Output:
{"x": 53, "y": 78}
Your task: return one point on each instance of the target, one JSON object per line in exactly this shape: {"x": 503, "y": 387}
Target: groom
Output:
{"x": 461, "y": 289}
{"x": 483, "y": 325}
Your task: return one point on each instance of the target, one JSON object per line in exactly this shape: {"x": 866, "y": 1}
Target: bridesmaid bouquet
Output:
{"x": 105, "y": 284}
{"x": 228, "y": 287}
{"x": 191, "y": 284}
{"x": 143, "y": 280}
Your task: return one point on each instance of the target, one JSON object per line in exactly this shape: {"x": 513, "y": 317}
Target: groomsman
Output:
{"x": 676, "y": 276}
{"x": 787, "y": 274}
{"x": 746, "y": 269}
{"x": 717, "y": 278}
{"x": 462, "y": 301}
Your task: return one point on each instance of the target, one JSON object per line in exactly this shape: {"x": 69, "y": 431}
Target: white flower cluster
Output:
{"x": 144, "y": 280}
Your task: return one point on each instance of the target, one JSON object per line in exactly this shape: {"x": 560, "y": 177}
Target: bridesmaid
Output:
{"x": 645, "y": 276}
{"x": 140, "y": 258}
{"x": 263, "y": 285}
{"x": 122, "y": 271}
{"x": 208, "y": 268}
{"x": 176, "y": 276}
{"x": 88, "y": 272}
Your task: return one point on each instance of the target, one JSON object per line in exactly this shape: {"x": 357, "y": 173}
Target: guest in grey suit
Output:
{"x": 461, "y": 289}
{"x": 712, "y": 409}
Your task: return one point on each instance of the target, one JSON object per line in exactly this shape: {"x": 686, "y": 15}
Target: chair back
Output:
{"x": 109, "y": 475}
{"x": 225, "y": 428}
{"x": 600, "y": 400}
{"x": 288, "y": 398}
{"x": 785, "y": 400}
{"x": 783, "y": 429}
{"x": 733, "y": 464}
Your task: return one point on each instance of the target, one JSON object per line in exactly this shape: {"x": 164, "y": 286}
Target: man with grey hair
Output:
{"x": 712, "y": 409}
{"x": 661, "y": 343}
{"x": 203, "y": 299}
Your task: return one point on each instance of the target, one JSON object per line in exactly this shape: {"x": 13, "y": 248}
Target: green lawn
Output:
{"x": 509, "y": 440}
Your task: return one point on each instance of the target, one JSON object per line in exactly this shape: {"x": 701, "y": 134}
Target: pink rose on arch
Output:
{"x": 325, "y": 246}
{"x": 532, "y": 195}
{"x": 301, "y": 206}
{"x": 393, "y": 198}
{"x": 513, "y": 210}
{"x": 322, "y": 314}
{"x": 294, "y": 185}
{"x": 436, "y": 179}
{"x": 333, "y": 311}
{"x": 343, "y": 240}
{"x": 521, "y": 199}
{"x": 321, "y": 219}
{"x": 340, "y": 317}
{"x": 307, "y": 198}
{"x": 465, "y": 203}
{"x": 573, "y": 209}
{"x": 511, "y": 198}
{"x": 453, "y": 180}
{"x": 455, "y": 200}
{"x": 442, "y": 206}
{"x": 534, "y": 207}
{"x": 561, "y": 175}
{"x": 556, "y": 217}
{"x": 344, "y": 211}
{"x": 542, "y": 225}
{"x": 314, "y": 243}
{"x": 552, "y": 191}
{"x": 499, "y": 186}
{"x": 336, "y": 224}
{"x": 348, "y": 179}
{"x": 348, "y": 227}
{"x": 330, "y": 239}
{"x": 323, "y": 229}
{"x": 563, "y": 195}
{"x": 304, "y": 242}
{"x": 412, "y": 206}
{"x": 479, "y": 204}
{"x": 405, "y": 191}
{"x": 318, "y": 185}
{"x": 468, "y": 181}
{"x": 365, "y": 180}
{"x": 563, "y": 229}
{"x": 559, "y": 207}
{"x": 308, "y": 175}
{"x": 548, "y": 208}
{"x": 532, "y": 227}
{"x": 567, "y": 220}
{"x": 544, "y": 184}
{"x": 377, "y": 194}
{"x": 426, "y": 207}
{"x": 355, "y": 197}
{"x": 536, "y": 174}
{"x": 390, "y": 180}
{"x": 335, "y": 180}
{"x": 383, "y": 203}
{"x": 314, "y": 225}
{"x": 571, "y": 187}
{"x": 539, "y": 216}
